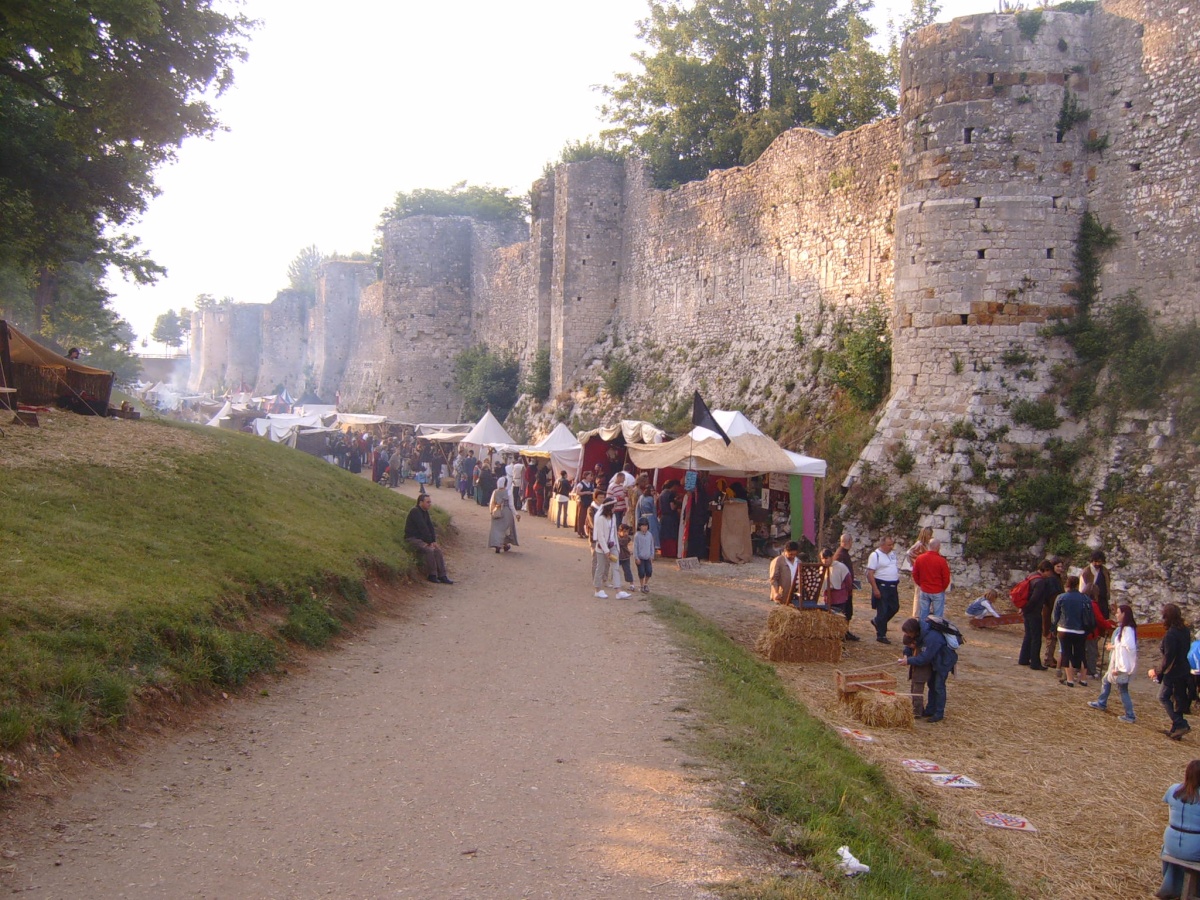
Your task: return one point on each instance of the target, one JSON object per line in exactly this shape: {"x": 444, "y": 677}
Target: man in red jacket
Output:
{"x": 931, "y": 573}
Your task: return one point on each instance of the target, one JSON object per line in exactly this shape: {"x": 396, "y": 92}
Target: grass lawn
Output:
{"x": 185, "y": 558}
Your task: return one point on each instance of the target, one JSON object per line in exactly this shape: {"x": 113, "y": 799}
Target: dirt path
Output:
{"x": 507, "y": 736}
{"x": 511, "y": 736}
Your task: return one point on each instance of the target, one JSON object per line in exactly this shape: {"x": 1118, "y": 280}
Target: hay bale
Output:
{"x": 850, "y": 683}
{"x": 882, "y": 709}
{"x": 802, "y": 635}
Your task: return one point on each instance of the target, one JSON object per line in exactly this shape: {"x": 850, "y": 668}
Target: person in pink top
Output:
{"x": 931, "y": 573}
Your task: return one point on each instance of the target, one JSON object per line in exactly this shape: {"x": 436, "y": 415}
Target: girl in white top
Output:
{"x": 1122, "y": 665}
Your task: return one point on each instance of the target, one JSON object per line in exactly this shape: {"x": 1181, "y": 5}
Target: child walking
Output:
{"x": 625, "y": 543}
{"x": 643, "y": 552}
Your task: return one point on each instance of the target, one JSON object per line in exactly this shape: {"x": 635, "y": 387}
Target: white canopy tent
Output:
{"x": 488, "y": 432}
{"x": 563, "y": 450}
{"x": 281, "y": 428}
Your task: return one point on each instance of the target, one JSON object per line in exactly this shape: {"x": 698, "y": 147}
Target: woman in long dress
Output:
{"x": 504, "y": 525}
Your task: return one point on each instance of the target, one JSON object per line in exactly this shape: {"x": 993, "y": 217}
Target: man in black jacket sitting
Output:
{"x": 418, "y": 531}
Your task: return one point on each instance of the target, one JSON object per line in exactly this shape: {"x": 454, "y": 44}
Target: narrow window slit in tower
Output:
{"x": 978, "y": 201}
{"x": 1129, "y": 104}
{"x": 1054, "y": 201}
{"x": 967, "y": 132}
{"x": 1049, "y": 253}
{"x": 1058, "y": 137}
{"x": 1135, "y": 167}
{"x": 991, "y": 78}
{"x": 980, "y": 254}
{"x": 962, "y": 318}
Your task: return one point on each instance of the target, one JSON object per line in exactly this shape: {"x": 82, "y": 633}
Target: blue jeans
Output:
{"x": 935, "y": 706}
{"x": 1123, "y": 690}
{"x": 930, "y": 603}
{"x": 886, "y": 606}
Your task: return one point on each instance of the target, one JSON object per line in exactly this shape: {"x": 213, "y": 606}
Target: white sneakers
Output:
{"x": 601, "y": 595}
{"x": 623, "y": 595}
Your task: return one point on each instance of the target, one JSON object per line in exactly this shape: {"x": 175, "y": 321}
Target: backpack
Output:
{"x": 1088, "y": 617}
{"x": 954, "y": 636}
{"x": 1019, "y": 595}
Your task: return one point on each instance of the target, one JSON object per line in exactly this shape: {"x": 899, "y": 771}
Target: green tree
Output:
{"x": 302, "y": 271}
{"x": 94, "y": 95}
{"x": 722, "y": 79}
{"x": 81, "y": 317}
{"x": 169, "y": 329}
{"x": 537, "y": 379}
{"x": 478, "y": 201}
{"x": 858, "y": 83}
{"x": 486, "y": 381}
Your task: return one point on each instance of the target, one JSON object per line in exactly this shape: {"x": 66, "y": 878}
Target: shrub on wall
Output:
{"x": 861, "y": 361}
{"x": 619, "y": 377}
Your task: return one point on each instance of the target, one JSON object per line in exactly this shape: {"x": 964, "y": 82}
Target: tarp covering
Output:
{"x": 359, "y": 419}
{"x": 634, "y": 432}
{"x": 749, "y": 451}
{"x": 427, "y": 430}
{"x": 42, "y": 376}
{"x": 215, "y": 421}
{"x": 488, "y": 432}
{"x": 280, "y": 428}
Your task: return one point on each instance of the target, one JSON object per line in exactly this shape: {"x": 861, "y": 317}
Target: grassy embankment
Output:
{"x": 810, "y": 792}
{"x": 186, "y": 559}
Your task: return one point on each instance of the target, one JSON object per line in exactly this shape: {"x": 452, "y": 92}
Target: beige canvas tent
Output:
{"x": 42, "y": 377}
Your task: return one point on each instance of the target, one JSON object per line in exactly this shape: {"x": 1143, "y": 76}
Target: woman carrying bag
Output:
{"x": 504, "y": 521}
{"x": 1122, "y": 664}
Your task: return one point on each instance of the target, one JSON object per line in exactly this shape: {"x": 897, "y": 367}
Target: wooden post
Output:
{"x": 7, "y": 400}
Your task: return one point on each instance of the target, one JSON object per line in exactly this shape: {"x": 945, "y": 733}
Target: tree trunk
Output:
{"x": 44, "y": 297}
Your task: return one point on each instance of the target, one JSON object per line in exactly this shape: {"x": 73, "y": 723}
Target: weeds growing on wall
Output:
{"x": 1029, "y": 23}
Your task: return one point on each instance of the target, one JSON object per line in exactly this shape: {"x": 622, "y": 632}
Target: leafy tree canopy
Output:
{"x": 93, "y": 95}
{"x": 80, "y": 318}
{"x": 858, "y": 83}
{"x": 478, "y": 201}
{"x": 172, "y": 327}
{"x": 486, "y": 381}
{"x": 723, "y": 78}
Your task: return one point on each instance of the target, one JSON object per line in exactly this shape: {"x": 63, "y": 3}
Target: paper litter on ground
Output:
{"x": 1005, "y": 820}
{"x": 921, "y": 765}
{"x": 856, "y": 734}
{"x": 954, "y": 781}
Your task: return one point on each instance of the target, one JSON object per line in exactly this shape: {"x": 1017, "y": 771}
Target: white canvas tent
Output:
{"x": 488, "y": 432}
{"x": 749, "y": 451}
{"x": 563, "y": 450}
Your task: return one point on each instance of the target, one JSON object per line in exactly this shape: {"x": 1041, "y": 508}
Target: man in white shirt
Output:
{"x": 883, "y": 571}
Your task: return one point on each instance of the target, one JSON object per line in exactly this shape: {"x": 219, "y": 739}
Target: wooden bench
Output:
{"x": 1191, "y": 876}
{"x": 993, "y": 622}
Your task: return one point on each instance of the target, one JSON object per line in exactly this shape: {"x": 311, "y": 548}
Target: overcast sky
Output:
{"x": 339, "y": 106}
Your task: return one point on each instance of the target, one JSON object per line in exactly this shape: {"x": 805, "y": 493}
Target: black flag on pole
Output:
{"x": 703, "y": 418}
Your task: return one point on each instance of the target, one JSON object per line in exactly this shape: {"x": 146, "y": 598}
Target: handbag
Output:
{"x": 497, "y": 512}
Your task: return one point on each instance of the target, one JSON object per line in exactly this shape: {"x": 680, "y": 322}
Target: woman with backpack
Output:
{"x": 935, "y": 651}
{"x": 1073, "y": 619}
{"x": 1122, "y": 664}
